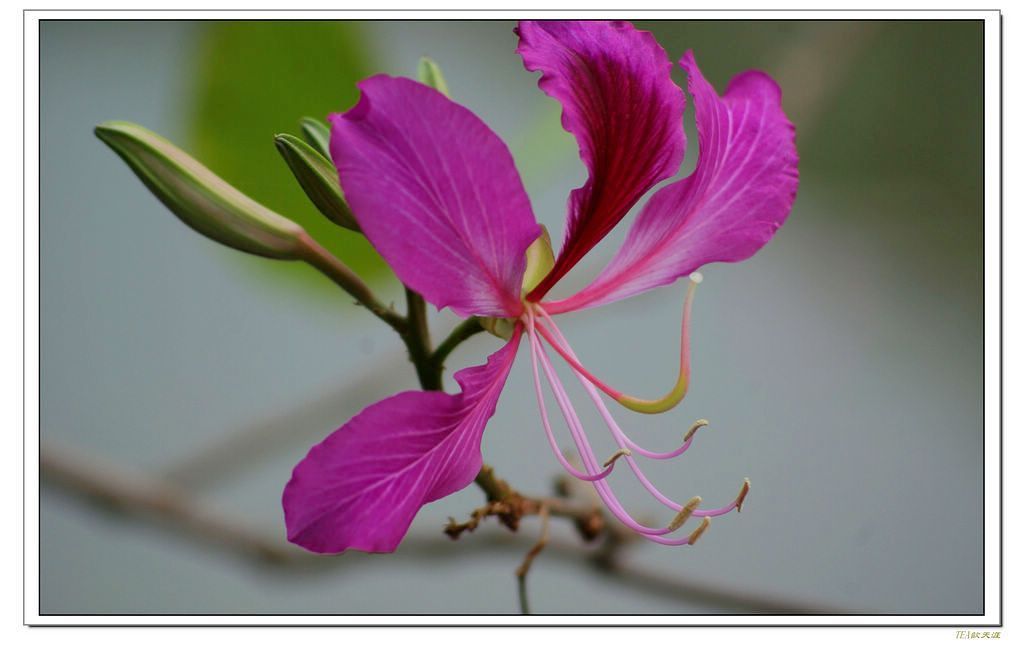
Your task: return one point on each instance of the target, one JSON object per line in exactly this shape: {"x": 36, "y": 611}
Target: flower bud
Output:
{"x": 318, "y": 179}
{"x": 317, "y": 134}
{"x": 201, "y": 199}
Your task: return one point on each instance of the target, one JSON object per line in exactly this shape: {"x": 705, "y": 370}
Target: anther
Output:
{"x": 699, "y": 531}
{"x": 621, "y": 452}
{"x": 743, "y": 494}
{"x": 697, "y": 425}
{"x": 685, "y": 513}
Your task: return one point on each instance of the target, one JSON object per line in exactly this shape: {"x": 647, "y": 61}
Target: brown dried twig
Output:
{"x": 172, "y": 508}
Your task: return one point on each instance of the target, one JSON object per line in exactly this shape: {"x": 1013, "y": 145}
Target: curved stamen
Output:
{"x": 736, "y": 503}
{"x": 622, "y": 439}
{"x": 565, "y": 350}
{"x": 586, "y": 453}
{"x": 689, "y": 539}
{"x": 645, "y": 406}
{"x": 697, "y": 425}
{"x": 672, "y": 454}
{"x": 609, "y": 465}
{"x": 576, "y": 366}
{"x": 621, "y": 452}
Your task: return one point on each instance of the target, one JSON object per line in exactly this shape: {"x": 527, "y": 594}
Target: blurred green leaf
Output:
{"x": 318, "y": 179}
{"x": 258, "y": 78}
{"x": 201, "y": 199}
{"x": 317, "y": 134}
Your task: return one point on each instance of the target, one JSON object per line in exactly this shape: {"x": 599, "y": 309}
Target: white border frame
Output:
{"x": 993, "y": 601}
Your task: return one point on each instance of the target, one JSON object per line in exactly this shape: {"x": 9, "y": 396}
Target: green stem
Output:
{"x": 321, "y": 259}
{"x": 466, "y": 329}
{"x": 413, "y": 328}
{"x": 417, "y": 339}
{"x": 524, "y": 599}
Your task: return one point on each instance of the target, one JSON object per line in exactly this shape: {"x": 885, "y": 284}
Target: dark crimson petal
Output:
{"x": 626, "y": 113}
{"x": 740, "y": 194}
{"x": 361, "y": 487}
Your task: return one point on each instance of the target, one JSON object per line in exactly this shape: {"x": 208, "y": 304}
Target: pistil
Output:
{"x": 645, "y": 406}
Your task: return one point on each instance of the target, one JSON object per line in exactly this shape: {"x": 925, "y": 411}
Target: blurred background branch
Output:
{"x": 135, "y": 495}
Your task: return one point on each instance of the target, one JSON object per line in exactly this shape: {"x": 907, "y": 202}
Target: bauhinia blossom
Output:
{"x": 437, "y": 193}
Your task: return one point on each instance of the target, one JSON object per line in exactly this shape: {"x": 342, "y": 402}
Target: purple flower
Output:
{"x": 438, "y": 195}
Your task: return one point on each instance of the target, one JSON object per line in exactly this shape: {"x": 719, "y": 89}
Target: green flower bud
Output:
{"x": 318, "y": 179}
{"x": 201, "y": 199}
{"x": 317, "y": 134}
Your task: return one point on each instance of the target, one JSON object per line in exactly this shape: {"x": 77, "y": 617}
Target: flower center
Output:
{"x": 539, "y": 261}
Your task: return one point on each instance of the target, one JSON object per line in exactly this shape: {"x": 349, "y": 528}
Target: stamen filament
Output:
{"x": 586, "y": 453}
{"x": 594, "y": 474}
{"x": 736, "y": 503}
{"x": 609, "y": 465}
{"x": 645, "y": 406}
{"x": 610, "y": 422}
{"x": 622, "y": 439}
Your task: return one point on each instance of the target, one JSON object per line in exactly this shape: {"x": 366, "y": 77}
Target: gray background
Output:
{"x": 841, "y": 368}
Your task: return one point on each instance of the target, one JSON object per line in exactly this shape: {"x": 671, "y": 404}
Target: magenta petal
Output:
{"x": 361, "y": 486}
{"x": 739, "y": 195}
{"x": 625, "y": 111}
{"x": 438, "y": 195}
